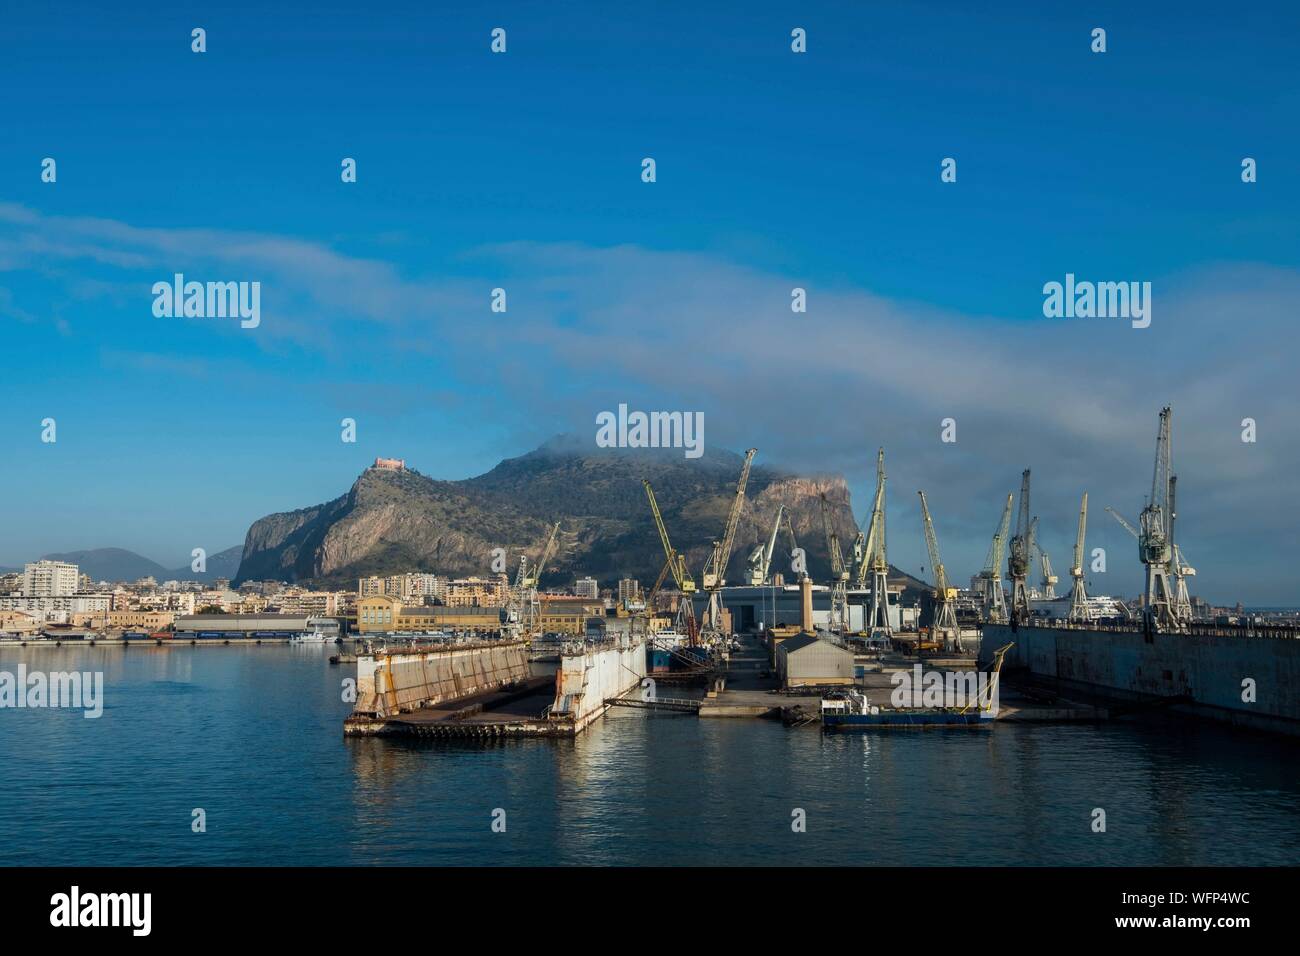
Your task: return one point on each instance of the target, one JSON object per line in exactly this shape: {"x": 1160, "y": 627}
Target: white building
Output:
{"x": 44, "y": 579}
{"x": 587, "y": 588}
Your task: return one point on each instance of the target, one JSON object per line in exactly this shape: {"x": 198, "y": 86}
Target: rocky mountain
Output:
{"x": 392, "y": 521}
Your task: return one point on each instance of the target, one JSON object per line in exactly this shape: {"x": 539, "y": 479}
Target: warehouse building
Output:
{"x": 240, "y": 625}
{"x": 806, "y": 660}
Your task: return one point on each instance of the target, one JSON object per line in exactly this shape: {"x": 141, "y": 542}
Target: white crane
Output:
{"x": 1154, "y": 538}
{"x": 875, "y": 559}
{"x": 839, "y": 620}
{"x": 1079, "y": 611}
{"x": 995, "y": 607}
{"x": 1177, "y": 566}
{"x": 760, "y": 559}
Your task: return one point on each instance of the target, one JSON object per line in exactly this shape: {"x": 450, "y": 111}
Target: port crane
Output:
{"x": 1047, "y": 586}
{"x": 1080, "y": 613}
{"x": 760, "y": 560}
{"x": 1179, "y": 568}
{"x": 714, "y": 575}
{"x": 800, "y": 573}
{"x": 995, "y": 608}
{"x": 839, "y": 620}
{"x": 676, "y": 564}
{"x": 944, "y": 625}
{"x": 524, "y": 601}
{"x": 1155, "y": 536}
{"x": 874, "y": 559}
{"x": 1018, "y": 560}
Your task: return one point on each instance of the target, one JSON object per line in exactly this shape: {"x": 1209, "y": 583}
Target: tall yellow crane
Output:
{"x": 945, "y": 613}
{"x": 677, "y": 567}
{"x": 714, "y": 575}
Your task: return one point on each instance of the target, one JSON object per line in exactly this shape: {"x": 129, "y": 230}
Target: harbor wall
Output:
{"x": 587, "y": 678}
{"x": 1211, "y": 669}
{"x": 394, "y": 683}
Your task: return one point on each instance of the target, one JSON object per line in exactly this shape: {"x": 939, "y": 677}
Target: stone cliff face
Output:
{"x": 403, "y": 521}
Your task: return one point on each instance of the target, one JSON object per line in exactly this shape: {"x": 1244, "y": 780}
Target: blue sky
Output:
{"x": 774, "y": 170}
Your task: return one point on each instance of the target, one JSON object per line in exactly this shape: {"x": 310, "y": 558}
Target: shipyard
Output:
{"x": 502, "y": 656}
{"x": 835, "y": 653}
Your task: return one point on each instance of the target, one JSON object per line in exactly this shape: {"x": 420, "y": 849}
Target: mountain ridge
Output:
{"x": 119, "y": 564}
{"x": 393, "y": 521}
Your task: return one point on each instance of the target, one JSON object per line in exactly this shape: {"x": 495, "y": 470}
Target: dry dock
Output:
{"x": 1236, "y": 675}
{"x": 488, "y": 690}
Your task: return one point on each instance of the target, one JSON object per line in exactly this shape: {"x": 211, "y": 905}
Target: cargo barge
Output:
{"x": 1244, "y": 676}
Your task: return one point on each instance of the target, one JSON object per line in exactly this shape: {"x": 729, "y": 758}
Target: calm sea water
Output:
{"x": 254, "y": 737}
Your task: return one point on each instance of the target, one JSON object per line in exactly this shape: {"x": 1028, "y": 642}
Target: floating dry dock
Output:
{"x": 488, "y": 690}
{"x": 1245, "y": 676}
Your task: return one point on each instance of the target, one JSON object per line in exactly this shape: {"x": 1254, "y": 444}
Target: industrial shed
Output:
{"x": 806, "y": 660}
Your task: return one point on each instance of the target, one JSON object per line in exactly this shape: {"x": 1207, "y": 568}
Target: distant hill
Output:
{"x": 118, "y": 564}
{"x": 111, "y": 564}
{"x": 401, "y": 521}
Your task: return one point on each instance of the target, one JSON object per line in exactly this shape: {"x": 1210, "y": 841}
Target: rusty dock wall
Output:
{"x": 1249, "y": 678}
{"x": 406, "y": 681}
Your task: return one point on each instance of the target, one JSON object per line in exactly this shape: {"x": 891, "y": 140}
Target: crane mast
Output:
{"x": 523, "y": 601}
{"x": 760, "y": 560}
{"x": 1079, "y": 610}
{"x": 995, "y": 608}
{"x": 1182, "y": 600}
{"x": 878, "y": 624}
{"x": 945, "y": 614}
{"x": 1047, "y": 585}
{"x": 677, "y": 567}
{"x": 1120, "y": 518}
{"x": 714, "y": 575}
{"x": 1018, "y": 560}
{"x": 839, "y": 620}
{"x": 800, "y": 573}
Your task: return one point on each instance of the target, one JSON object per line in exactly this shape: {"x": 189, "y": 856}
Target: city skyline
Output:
{"x": 476, "y": 172}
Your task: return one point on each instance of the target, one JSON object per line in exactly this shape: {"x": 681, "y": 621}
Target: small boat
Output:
{"x": 312, "y": 637}
{"x": 320, "y": 630}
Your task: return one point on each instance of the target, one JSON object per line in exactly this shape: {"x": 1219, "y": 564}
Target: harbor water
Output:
{"x": 252, "y": 737}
